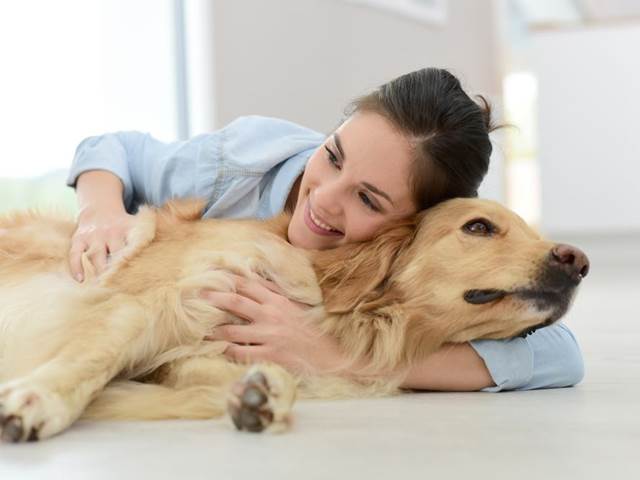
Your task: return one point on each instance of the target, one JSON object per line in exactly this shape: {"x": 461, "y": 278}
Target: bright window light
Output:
{"x": 522, "y": 171}
{"x": 75, "y": 68}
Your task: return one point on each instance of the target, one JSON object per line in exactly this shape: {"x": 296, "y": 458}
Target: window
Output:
{"x": 75, "y": 68}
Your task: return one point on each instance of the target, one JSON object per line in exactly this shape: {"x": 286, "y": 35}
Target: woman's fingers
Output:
{"x": 268, "y": 284}
{"x": 99, "y": 233}
{"x": 249, "y": 353}
{"x": 75, "y": 260}
{"x": 97, "y": 254}
{"x": 240, "y": 334}
{"x": 261, "y": 290}
{"x": 253, "y": 289}
{"x": 237, "y": 304}
{"x": 115, "y": 244}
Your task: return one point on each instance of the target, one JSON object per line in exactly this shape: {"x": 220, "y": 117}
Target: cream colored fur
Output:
{"x": 68, "y": 349}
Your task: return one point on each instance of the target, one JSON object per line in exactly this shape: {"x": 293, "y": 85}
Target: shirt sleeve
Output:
{"x": 548, "y": 358}
{"x": 151, "y": 171}
{"x": 230, "y": 168}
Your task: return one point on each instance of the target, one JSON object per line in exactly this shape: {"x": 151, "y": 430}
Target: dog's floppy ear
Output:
{"x": 355, "y": 275}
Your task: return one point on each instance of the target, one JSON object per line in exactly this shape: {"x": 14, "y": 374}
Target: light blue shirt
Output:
{"x": 247, "y": 169}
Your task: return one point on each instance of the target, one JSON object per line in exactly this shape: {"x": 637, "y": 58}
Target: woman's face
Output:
{"x": 354, "y": 184}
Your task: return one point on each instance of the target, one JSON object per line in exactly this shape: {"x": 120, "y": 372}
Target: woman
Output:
{"x": 408, "y": 145}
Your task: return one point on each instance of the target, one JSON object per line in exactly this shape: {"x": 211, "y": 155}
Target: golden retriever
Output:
{"x": 129, "y": 342}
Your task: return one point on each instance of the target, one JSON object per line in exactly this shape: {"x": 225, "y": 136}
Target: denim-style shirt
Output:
{"x": 247, "y": 169}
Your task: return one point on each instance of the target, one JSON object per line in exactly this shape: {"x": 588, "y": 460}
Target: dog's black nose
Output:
{"x": 571, "y": 257}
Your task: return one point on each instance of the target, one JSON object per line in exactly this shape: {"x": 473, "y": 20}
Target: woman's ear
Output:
{"x": 355, "y": 276}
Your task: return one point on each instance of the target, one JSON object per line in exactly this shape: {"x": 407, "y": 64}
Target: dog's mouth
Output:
{"x": 542, "y": 299}
{"x": 481, "y": 297}
{"x": 555, "y": 301}
{"x": 551, "y": 288}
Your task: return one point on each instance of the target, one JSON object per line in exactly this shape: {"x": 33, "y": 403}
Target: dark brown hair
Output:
{"x": 448, "y": 130}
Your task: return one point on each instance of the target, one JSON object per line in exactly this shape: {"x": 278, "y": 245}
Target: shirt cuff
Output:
{"x": 102, "y": 153}
{"x": 510, "y": 362}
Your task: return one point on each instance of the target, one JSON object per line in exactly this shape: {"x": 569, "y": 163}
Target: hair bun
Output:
{"x": 486, "y": 110}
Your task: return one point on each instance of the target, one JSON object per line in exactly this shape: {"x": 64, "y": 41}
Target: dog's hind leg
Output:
{"x": 52, "y": 396}
{"x": 190, "y": 387}
{"x": 257, "y": 398}
{"x": 129, "y": 400}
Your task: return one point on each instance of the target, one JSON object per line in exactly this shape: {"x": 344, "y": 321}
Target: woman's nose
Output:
{"x": 328, "y": 198}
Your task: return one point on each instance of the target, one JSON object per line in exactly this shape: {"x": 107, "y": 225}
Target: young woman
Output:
{"x": 408, "y": 145}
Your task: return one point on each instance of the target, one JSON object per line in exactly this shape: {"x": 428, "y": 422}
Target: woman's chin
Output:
{"x": 295, "y": 238}
{"x": 302, "y": 241}
{"x": 307, "y": 240}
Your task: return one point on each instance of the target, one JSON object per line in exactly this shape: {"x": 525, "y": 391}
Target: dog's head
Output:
{"x": 465, "y": 269}
{"x": 483, "y": 269}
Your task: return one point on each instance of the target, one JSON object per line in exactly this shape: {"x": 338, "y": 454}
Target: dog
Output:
{"x": 128, "y": 343}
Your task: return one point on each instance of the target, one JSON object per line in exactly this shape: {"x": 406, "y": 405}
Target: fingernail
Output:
{"x": 79, "y": 277}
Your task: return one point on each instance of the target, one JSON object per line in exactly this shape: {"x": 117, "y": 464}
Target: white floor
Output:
{"x": 589, "y": 431}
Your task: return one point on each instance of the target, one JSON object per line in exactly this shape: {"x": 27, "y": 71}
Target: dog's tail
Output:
{"x": 129, "y": 400}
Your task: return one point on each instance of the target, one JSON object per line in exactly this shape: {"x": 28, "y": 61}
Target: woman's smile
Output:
{"x": 317, "y": 225}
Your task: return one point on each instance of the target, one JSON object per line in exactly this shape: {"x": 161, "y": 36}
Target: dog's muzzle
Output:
{"x": 480, "y": 297}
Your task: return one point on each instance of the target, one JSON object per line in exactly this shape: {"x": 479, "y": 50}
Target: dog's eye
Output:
{"x": 479, "y": 226}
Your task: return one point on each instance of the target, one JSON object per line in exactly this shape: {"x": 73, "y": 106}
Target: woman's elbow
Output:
{"x": 561, "y": 362}
{"x": 575, "y": 366}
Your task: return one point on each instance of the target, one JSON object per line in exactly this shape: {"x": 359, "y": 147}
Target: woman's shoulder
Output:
{"x": 264, "y": 142}
{"x": 263, "y": 126}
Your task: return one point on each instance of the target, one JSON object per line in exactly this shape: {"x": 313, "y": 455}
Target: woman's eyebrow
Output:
{"x": 368, "y": 186}
{"x": 377, "y": 191}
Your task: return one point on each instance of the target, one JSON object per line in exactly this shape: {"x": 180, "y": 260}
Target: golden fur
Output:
{"x": 68, "y": 348}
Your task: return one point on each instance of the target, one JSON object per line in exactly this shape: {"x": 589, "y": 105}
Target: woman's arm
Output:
{"x": 99, "y": 190}
{"x": 113, "y": 174}
{"x": 109, "y": 172}
{"x": 278, "y": 333}
{"x": 453, "y": 368}
{"x": 103, "y": 222}
{"x": 548, "y": 358}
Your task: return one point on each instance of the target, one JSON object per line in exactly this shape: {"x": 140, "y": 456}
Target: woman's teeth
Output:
{"x": 320, "y": 223}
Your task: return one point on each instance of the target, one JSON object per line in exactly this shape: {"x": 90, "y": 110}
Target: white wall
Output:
{"x": 304, "y": 60}
{"x": 588, "y": 122}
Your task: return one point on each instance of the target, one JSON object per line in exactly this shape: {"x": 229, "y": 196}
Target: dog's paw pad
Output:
{"x": 25, "y": 411}
{"x": 249, "y": 403}
{"x": 11, "y": 427}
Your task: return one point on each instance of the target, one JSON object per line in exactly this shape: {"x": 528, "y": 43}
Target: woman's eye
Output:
{"x": 479, "y": 227}
{"x": 367, "y": 201}
{"x": 333, "y": 160}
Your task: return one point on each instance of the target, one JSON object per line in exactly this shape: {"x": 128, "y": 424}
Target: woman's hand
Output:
{"x": 100, "y": 233}
{"x": 277, "y": 330}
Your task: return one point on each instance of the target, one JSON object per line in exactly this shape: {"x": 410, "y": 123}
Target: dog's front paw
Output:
{"x": 29, "y": 413}
{"x": 262, "y": 399}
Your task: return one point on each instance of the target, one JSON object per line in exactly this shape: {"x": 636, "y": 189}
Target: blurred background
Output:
{"x": 562, "y": 72}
